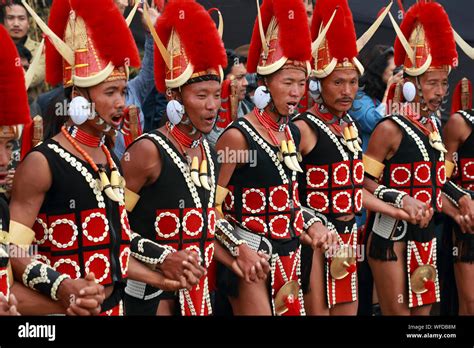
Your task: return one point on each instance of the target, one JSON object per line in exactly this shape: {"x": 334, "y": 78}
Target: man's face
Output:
{"x": 434, "y": 86}
{"x": 202, "y": 101}
{"x": 287, "y": 88}
{"x": 238, "y": 73}
{"x": 6, "y": 148}
{"x": 339, "y": 90}
{"x": 109, "y": 102}
{"x": 16, "y": 22}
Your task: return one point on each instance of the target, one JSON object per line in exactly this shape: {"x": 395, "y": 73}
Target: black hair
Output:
{"x": 9, "y": 4}
{"x": 24, "y": 52}
{"x": 233, "y": 59}
{"x": 375, "y": 62}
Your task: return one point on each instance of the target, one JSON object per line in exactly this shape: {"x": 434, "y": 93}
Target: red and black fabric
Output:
{"x": 286, "y": 267}
{"x": 261, "y": 202}
{"x": 337, "y": 290}
{"x": 419, "y": 254}
{"x": 463, "y": 175}
{"x": 258, "y": 200}
{"x": 4, "y": 250}
{"x": 410, "y": 172}
{"x": 331, "y": 185}
{"x": 173, "y": 220}
{"x": 73, "y": 233}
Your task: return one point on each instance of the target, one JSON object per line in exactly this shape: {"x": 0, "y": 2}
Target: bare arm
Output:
{"x": 142, "y": 166}
{"x": 250, "y": 264}
{"x": 372, "y": 203}
{"x": 32, "y": 180}
{"x": 383, "y": 144}
{"x": 455, "y": 133}
{"x": 33, "y": 303}
{"x": 309, "y": 138}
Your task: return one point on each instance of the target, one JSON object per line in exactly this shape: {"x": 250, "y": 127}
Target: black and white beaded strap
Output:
{"x": 148, "y": 251}
{"x": 226, "y": 236}
{"x": 213, "y": 179}
{"x": 76, "y": 164}
{"x": 391, "y": 196}
{"x": 454, "y": 193}
{"x": 414, "y": 136}
{"x": 309, "y": 218}
{"x": 467, "y": 115}
{"x": 43, "y": 278}
{"x": 184, "y": 168}
{"x": 435, "y": 125}
{"x": 265, "y": 147}
{"x": 331, "y": 135}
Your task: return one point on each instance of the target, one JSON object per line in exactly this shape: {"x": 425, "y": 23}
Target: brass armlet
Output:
{"x": 131, "y": 199}
{"x": 21, "y": 235}
{"x": 372, "y": 167}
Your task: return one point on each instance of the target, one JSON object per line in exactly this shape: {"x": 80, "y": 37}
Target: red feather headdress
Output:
{"x": 338, "y": 50}
{"x": 287, "y": 40}
{"x": 427, "y": 31}
{"x": 89, "y": 43}
{"x": 189, "y": 45}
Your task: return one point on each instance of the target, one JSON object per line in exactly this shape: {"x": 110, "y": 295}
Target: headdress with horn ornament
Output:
{"x": 280, "y": 38}
{"x": 336, "y": 46}
{"x": 89, "y": 42}
{"x": 425, "y": 40}
{"x": 14, "y": 109}
{"x": 189, "y": 46}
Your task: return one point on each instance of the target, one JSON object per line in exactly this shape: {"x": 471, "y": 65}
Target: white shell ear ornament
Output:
{"x": 409, "y": 91}
{"x": 262, "y": 97}
{"x": 175, "y": 112}
{"x": 315, "y": 89}
{"x": 79, "y": 110}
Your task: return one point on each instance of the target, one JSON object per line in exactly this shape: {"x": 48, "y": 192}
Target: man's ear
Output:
{"x": 173, "y": 94}
{"x": 77, "y": 92}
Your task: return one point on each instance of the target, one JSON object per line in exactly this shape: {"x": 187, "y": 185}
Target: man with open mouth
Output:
{"x": 68, "y": 193}
{"x": 261, "y": 220}
{"x": 14, "y": 115}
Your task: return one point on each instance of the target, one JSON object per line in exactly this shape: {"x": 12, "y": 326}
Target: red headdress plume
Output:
{"x": 338, "y": 49}
{"x": 14, "y": 108}
{"x": 189, "y": 45}
{"x": 286, "y": 41}
{"x": 84, "y": 49}
{"x": 426, "y": 41}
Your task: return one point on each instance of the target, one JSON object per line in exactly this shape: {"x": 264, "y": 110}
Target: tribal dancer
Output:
{"x": 459, "y": 140}
{"x": 405, "y": 166}
{"x": 68, "y": 192}
{"x": 332, "y": 183}
{"x": 171, "y": 172}
{"x": 260, "y": 200}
